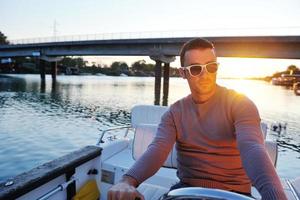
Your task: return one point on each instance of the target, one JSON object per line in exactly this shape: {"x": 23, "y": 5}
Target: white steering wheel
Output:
{"x": 204, "y": 194}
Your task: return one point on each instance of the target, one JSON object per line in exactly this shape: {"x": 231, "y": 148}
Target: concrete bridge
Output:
{"x": 162, "y": 50}
{"x": 251, "y": 46}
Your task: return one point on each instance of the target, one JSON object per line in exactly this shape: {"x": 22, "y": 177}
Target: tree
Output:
{"x": 141, "y": 65}
{"x": 292, "y": 69}
{"x": 72, "y": 62}
{"x": 119, "y": 66}
{"x": 3, "y": 39}
{"x": 80, "y": 62}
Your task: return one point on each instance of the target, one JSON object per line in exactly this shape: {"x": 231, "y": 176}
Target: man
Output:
{"x": 217, "y": 133}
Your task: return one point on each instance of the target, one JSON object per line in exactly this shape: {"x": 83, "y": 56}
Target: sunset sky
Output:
{"x": 34, "y": 18}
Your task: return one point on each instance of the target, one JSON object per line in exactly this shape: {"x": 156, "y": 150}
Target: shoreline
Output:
{"x": 100, "y": 75}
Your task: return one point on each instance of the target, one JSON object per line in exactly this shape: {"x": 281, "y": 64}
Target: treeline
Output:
{"x": 117, "y": 68}
{"x": 291, "y": 70}
{"x": 77, "y": 65}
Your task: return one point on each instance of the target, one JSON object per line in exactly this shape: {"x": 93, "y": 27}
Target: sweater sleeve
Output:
{"x": 255, "y": 159}
{"x": 157, "y": 152}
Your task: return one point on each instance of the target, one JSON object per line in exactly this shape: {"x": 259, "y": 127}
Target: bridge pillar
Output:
{"x": 43, "y": 87}
{"x": 157, "y": 84}
{"x": 166, "y": 84}
{"x": 159, "y": 59}
{"x": 53, "y": 61}
{"x": 53, "y": 71}
{"x": 42, "y": 66}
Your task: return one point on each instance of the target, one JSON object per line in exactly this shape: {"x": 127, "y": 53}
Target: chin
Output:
{"x": 204, "y": 89}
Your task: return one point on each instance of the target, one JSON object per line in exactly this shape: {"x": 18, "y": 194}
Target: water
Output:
{"x": 38, "y": 124}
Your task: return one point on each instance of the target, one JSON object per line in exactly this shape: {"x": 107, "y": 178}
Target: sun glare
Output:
{"x": 252, "y": 67}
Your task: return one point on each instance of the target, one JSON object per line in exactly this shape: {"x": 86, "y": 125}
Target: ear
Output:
{"x": 182, "y": 73}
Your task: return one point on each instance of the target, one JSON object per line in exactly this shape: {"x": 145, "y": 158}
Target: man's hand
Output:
{"x": 125, "y": 190}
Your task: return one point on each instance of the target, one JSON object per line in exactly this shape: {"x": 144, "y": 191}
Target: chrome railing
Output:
{"x": 59, "y": 188}
{"x": 112, "y": 129}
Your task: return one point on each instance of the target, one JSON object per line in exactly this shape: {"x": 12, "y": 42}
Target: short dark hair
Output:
{"x": 196, "y": 43}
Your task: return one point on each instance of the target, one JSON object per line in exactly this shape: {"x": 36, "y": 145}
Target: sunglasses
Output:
{"x": 197, "y": 69}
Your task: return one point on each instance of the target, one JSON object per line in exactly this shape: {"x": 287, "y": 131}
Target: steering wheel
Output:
{"x": 203, "y": 194}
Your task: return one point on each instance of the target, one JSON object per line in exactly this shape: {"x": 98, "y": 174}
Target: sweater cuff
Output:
{"x": 132, "y": 175}
{"x": 273, "y": 194}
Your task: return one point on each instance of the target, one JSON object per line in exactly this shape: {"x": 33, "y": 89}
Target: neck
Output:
{"x": 200, "y": 98}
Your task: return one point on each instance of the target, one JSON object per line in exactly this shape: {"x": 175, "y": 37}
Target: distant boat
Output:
{"x": 85, "y": 74}
{"x": 284, "y": 81}
{"x": 72, "y": 71}
{"x": 296, "y": 88}
{"x": 122, "y": 74}
{"x": 100, "y": 74}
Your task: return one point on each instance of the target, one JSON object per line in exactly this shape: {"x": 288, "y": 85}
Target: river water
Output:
{"x": 40, "y": 123}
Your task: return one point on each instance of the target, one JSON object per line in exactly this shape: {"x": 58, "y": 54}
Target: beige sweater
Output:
{"x": 219, "y": 145}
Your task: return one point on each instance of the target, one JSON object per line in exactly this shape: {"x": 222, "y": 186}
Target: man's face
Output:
{"x": 205, "y": 82}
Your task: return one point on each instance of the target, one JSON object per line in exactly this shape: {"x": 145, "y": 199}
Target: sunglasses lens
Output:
{"x": 212, "y": 67}
{"x": 196, "y": 70}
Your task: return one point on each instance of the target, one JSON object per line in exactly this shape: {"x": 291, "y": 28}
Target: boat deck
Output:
{"x": 120, "y": 162}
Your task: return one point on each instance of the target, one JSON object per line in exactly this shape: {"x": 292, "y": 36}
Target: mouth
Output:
{"x": 204, "y": 83}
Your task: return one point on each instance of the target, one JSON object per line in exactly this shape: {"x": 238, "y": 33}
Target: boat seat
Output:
{"x": 145, "y": 133}
{"x": 296, "y": 186}
{"x": 272, "y": 150}
{"x": 264, "y": 129}
{"x": 146, "y": 114}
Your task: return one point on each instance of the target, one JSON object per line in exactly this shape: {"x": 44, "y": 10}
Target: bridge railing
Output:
{"x": 262, "y": 31}
{"x": 105, "y": 36}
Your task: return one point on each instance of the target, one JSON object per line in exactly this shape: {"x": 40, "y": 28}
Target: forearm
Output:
{"x": 261, "y": 171}
{"x": 255, "y": 159}
{"x": 149, "y": 163}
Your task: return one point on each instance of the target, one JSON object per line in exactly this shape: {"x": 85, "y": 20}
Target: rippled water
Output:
{"x": 40, "y": 123}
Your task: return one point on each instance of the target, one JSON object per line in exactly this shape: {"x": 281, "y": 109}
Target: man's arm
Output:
{"x": 254, "y": 156}
{"x": 149, "y": 162}
{"x": 157, "y": 151}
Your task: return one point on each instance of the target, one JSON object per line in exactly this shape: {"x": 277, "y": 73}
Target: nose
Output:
{"x": 204, "y": 73}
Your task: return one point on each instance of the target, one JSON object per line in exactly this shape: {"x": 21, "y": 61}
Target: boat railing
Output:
{"x": 61, "y": 170}
{"x": 103, "y": 132}
{"x": 293, "y": 189}
{"x": 59, "y": 188}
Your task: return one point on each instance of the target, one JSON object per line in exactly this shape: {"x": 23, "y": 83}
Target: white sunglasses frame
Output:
{"x": 188, "y": 68}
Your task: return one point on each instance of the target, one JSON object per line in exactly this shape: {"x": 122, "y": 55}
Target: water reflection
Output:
{"x": 286, "y": 145}
{"x": 43, "y": 86}
{"x": 60, "y": 100}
